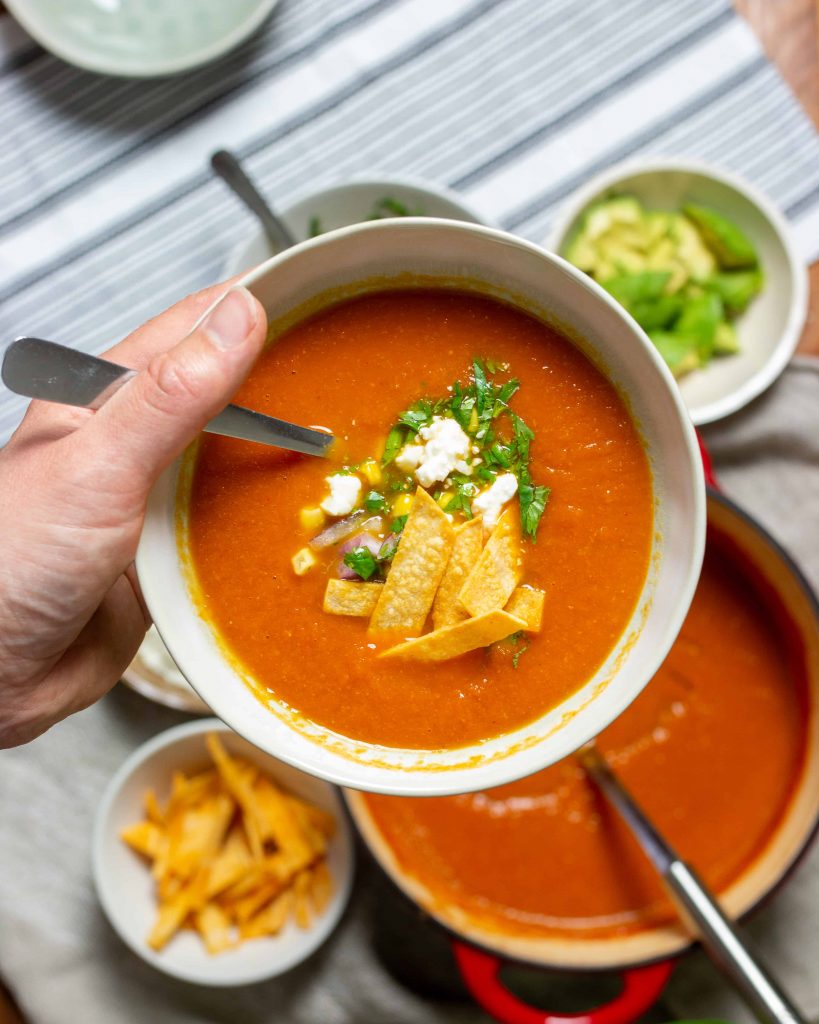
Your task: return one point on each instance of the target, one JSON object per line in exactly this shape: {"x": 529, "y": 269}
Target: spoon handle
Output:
{"x": 42, "y": 369}
{"x": 233, "y": 174}
{"x": 723, "y": 942}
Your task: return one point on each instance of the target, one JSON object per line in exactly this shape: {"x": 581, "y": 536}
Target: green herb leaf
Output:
{"x": 483, "y": 392}
{"x": 362, "y": 561}
{"x": 524, "y": 436}
{"x": 397, "y": 525}
{"x": 375, "y": 502}
{"x": 518, "y": 652}
{"x": 533, "y": 501}
{"x": 419, "y": 415}
{"x": 395, "y": 442}
{"x": 314, "y": 227}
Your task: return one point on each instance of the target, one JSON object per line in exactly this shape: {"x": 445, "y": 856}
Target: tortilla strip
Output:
{"x": 498, "y": 570}
{"x": 417, "y": 568}
{"x": 527, "y": 603}
{"x": 466, "y": 550}
{"x": 451, "y": 641}
{"x": 346, "y": 597}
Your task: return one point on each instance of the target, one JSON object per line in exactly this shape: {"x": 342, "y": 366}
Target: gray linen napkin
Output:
{"x": 64, "y": 964}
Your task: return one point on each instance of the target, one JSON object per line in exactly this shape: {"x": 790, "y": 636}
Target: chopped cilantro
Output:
{"x": 533, "y": 500}
{"x": 524, "y": 436}
{"x": 389, "y": 206}
{"x": 397, "y": 525}
{"x": 419, "y": 415}
{"x": 362, "y": 561}
{"x": 485, "y": 473}
{"x": 395, "y": 442}
{"x": 483, "y": 391}
{"x": 314, "y": 227}
{"x": 375, "y": 502}
{"x": 519, "y": 651}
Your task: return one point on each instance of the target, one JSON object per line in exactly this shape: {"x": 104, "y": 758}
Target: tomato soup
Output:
{"x": 411, "y": 370}
{"x": 711, "y": 749}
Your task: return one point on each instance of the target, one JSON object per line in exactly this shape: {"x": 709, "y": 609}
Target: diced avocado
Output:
{"x": 656, "y": 226}
{"x": 736, "y": 288}
{"x": 601, "y": 217}
{"x": 581, "y": 252}
{"x": 640, "y": 287}
{"x": 624, "y": 258}
{"x": 726, "y": 342}
{"x": 678, "y": 278}
{"x": 692, "y": 252}
{"x": 660, "y": 254}
{"x": 632, "y": 235}
{"x": 656, "y": 313}
{"x": 679, "y": 351}
{"x": 726, "y": 241}
{"x": 699, "y": 320}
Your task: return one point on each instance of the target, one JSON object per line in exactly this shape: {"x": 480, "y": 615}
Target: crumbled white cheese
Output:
{"x": 446, "y": 448}
{"x": 344, "y": 493}
{"x": 409, "y": 457}
{"x": 491, "y": 501}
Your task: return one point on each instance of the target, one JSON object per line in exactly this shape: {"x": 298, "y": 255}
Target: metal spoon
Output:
{"x": 697, "y": 905}
{"x": 54, "y": 373}
{"x": 232, "y": 173}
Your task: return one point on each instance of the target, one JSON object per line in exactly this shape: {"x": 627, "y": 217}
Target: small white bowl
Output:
{"x": 351, "y": 203}
{"x": 126, "y": 889}
{"x": 139, "y": 39}
{"x": 389, "y": 253}
{"x": 769, "y": 330}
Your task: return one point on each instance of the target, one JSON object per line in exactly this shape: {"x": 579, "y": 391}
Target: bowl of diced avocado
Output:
{"x": 705, "y": 265}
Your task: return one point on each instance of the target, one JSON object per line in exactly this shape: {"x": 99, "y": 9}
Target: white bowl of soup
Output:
{"x": 466, "y": 375}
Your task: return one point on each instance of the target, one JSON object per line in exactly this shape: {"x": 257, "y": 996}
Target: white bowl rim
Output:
{"x": 797, "y": 269}
{"x": 236, "y": 264}
{"x": 144, "y": 752}
{"x": 352, "y": 774}
{"x": 76, "y": 55}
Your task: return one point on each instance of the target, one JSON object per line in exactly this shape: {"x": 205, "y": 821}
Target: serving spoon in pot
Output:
{"x": 696, "y": 904}
{"x": 35, "y": 368}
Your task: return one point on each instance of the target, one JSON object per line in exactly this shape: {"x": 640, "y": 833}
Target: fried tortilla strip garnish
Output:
{"x": 279, "y": 822}
{"x": 239, "y": 784}
{"x": 527, "y": 603}
{"x": 145, "y": 837}
{"x": 302, "y": 895}
{"x": 231, "y": 863}
{"x": 270, "y": 920}
{"x": 346, "y": 597}
{"x": 172, "y": 914}
{"x": 419, "y": 564}
{"x": 498, "y": 570}
{"x": 466, "y": 549}
{"x": 196, "y": 834}
{"x": 213, "y": 925}
{"x": 452, "y": 641}
{"x": 321, "y": 887}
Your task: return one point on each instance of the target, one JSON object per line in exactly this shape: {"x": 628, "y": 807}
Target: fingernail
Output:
{"x": 232, "y": 320}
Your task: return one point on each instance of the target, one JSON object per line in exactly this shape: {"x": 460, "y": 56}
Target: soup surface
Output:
{"x": 354, "y": 368}
{"x": 711, "y": 749}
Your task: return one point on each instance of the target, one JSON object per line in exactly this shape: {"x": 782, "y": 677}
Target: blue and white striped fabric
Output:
{"x": 109, "y": 212}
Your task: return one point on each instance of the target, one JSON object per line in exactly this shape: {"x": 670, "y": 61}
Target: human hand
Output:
{"x": 73, "y": 489}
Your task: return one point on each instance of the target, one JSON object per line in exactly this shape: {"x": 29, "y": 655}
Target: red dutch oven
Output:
{"x": 645, "y": 959}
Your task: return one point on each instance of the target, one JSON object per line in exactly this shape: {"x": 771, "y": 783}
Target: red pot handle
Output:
{"x": 641, "y": 989}
{"x": 707, "y": 464}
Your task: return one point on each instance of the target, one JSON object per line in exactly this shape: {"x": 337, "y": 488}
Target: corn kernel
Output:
{"x": 303, "y": 561}
{"x": 402, "y": 505}
{"x": 444, "y": 499}
{"x": 372, "y": 471}
{"x": 311, "y": 518}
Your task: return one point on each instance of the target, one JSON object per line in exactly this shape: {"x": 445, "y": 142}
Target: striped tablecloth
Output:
{"x": 109, "y": 212}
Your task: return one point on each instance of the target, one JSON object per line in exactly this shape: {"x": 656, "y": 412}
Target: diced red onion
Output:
{"x": 338, "y": 531}
{"x": 361, "y": 540}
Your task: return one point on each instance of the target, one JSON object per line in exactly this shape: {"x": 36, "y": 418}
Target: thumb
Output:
{"x": 159, "y": 411}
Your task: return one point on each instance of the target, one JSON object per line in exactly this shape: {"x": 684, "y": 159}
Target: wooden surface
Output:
{"x": 789, "y": 31}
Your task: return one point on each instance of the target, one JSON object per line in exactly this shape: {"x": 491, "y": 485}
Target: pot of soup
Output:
{"x": 721, "y": 749}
